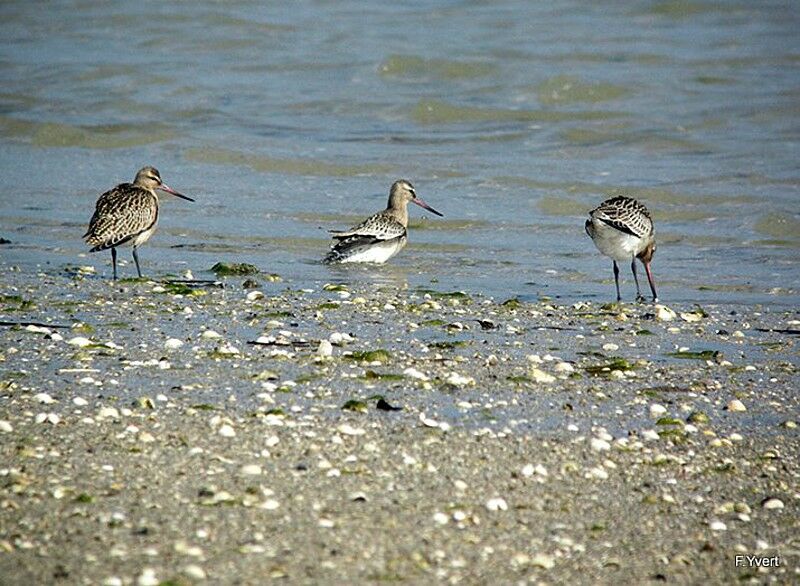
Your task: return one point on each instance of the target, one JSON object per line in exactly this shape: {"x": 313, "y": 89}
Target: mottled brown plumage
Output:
{"x": 127, "y": 215}
{"x": 382, "y": 235}
{"x": 622, "y": 229}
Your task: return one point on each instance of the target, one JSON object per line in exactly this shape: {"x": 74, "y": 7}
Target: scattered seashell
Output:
{"x": 44, "y": 398}
{"x": 108, "y": 413}
{"x": 250, "y": 470}
{"x": 194, "y": 572}
{"x": 717, "y": 525}
{"x": 541, "y": 376}
{"x": 415, "y": 374}
{"x": 599, "y": 445}
{"x": 5, "y": 426}
{"x": 325, "y": 349}
{"x": 657, "y": 410}
{"x": 497, "y": 504}
{"x": 226, "y": 431}
{"x": 542, "y": 560}
{"x": 564, "y": 367}
{"x": 339, "y": 338}
{"x": 147, "y": 578}
{"x": 736, "y": 406}
{"x": 210, "y": 335}
{"x": 664, "y": 313}
{"x": 597, "y": 473}
{"x": 348, "y": 429}
{"x": 173, "y": 344}
{"x": 772, "y": 504}
{"x": 253, "y": 295}
{"x": 79, "y": 341}
{"x": 37, "y": 329}
{"x": 458, "y": 380}
{"x": 227, "y": 349}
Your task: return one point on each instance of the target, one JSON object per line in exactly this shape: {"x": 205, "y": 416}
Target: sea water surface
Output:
{"x": 512, "y": 118}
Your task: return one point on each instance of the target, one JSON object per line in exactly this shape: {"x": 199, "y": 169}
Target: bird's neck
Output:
{"x": 398, "y": 212}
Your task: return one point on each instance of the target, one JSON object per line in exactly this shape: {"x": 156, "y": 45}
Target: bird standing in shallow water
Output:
{"x": 127, "y": 215}
{"x": 622, "y": 229}
{"x": 380, "y": 237}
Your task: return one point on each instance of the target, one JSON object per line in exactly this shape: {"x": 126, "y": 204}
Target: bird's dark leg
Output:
{"x": 136, "y": 260}
{"x": 650, "y": 280}
{"x": 616, "y": 280}
{"x": 114, "y": 261}
{"x": 639, "y": 297}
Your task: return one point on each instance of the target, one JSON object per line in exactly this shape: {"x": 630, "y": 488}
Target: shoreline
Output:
{"x": 533, "y": 441}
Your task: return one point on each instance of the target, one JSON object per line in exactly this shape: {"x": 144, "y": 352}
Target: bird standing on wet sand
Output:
{"x": 622, "y": 229}
{"x": 380, "y": 237}
{"x": 127, "y": 215}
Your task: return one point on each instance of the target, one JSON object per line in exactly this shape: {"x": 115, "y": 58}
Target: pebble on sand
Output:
{"x": 540, "y": 376}
{"x": 173, "y": 344}
{"x": 772, "y": 504}
{"x": 664, "y": 313}
{"x": 736, "y": 406}
{"x": 227, "y": 431}
{"x": 497, "y": 504}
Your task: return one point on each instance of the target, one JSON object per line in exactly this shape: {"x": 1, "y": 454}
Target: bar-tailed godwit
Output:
{"x": 127, "y": 215}
{"x": 379, "y": 237}
{"x": 622, "y": 229}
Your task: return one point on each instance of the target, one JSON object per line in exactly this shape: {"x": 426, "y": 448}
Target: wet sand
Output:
{"x": 160, "y": 432}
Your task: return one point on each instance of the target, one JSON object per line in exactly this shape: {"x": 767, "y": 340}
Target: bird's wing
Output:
{"x": 381, "y": 226}
{"x": 626, "y": 215}
{"x": 121, "y": 214}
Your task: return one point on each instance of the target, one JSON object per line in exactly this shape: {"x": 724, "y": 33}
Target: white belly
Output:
{"x": 615, "y": 244}
{"x": 377, "y": 253}
{"x": 143, "y": 237}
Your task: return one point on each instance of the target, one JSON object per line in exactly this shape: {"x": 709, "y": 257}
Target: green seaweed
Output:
{"x": 443, "y": 294}
{"x": 513, "y": 303}
{"x": 334, "y": 287}
{"x": 449, "y": 345}
{"x": 701, "y": 355}
{"x": 329, "y": 305}
{"x": 606, "y": 368}
{"x": 379, "y": 355}
{"x": 669, "y": 421}
{"x": 224, "y": 269}
{"x": 697, "y": 417}
{"x": 182, "y": 289}
{"x": 355, "y": 405}
{"x": 372, "y": 375}
{"x": 274, "y": 314}
{"x": 519, "y": 379}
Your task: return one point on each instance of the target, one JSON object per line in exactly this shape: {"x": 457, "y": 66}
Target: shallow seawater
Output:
{"x": 512, "y": 118}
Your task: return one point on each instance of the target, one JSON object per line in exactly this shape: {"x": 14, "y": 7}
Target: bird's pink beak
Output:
{"x": 422, "y": 204}
{"x": 168, "y": 189}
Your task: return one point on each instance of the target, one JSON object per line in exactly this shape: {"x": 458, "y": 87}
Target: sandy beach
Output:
{"x": 164, "y": 432}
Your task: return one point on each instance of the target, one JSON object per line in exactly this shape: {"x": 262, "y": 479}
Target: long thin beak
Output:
{"x": 422, "y": 204}
{"x": 650, "y": 280}
{"x": 168, "y": 189}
